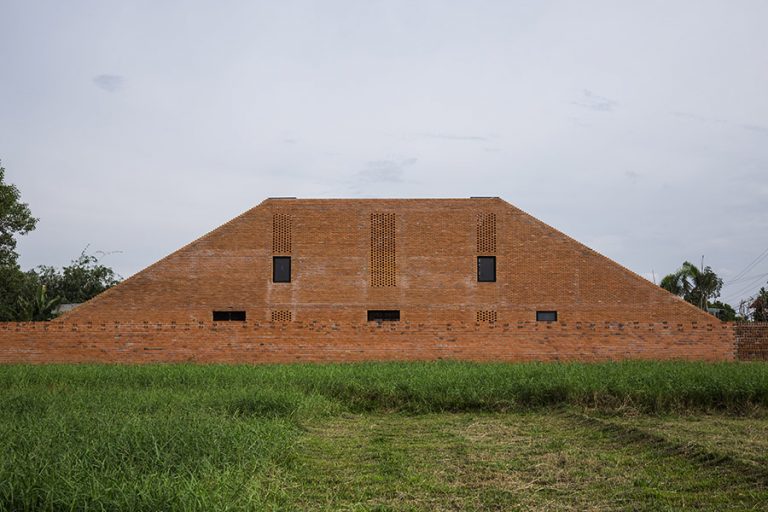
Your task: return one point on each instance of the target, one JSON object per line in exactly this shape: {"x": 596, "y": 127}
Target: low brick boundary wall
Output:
{"x": 59, "y": 342}
{"x": 751, "y": 341}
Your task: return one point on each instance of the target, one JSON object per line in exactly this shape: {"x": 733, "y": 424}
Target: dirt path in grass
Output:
{"x": 534, "y": 461}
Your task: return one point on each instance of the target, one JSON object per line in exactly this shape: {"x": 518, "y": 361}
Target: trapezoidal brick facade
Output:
{"x": 478, "y": 271}
{"x": 417, "y": 256}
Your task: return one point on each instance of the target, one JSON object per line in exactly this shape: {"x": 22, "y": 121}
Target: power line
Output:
{"x": 748, "y": 287}
{"x": 746, "y": 278}
{"x": 754, "y": 262}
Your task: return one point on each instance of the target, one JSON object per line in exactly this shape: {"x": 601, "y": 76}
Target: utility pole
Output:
{"x": 703, "y": 298}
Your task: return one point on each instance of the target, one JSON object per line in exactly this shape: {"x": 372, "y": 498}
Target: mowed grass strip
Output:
{"x": 503, "y": 461}
{"x": 371, "y": 436}
{"x": 741, "y": 439}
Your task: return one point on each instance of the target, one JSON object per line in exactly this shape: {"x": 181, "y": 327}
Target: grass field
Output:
{"x": 416, "y": 436}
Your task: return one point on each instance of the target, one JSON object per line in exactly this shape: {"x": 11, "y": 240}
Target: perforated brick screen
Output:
{"x": 486, "y": 233}
{"x": 383, "y": 262}
{"x": 281, "y": 233}
{"x": 281, "y": 315}
{"x": 486, "y": 316}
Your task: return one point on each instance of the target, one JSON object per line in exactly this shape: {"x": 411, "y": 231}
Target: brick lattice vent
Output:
{"x": 486, "y": 233}
{"x": 488, "y": 316}
{"x": 281, "y": 233}
{"x": 383, "y": 263}
{"x": 281, "y": 315}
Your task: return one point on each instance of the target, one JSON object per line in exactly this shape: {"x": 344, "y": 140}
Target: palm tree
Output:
{"x": 693, "y": 284}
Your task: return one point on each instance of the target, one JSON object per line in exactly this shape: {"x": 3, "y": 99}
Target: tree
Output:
{"x": 37, "y": 293}
{"x": 13, "y": 283}
{"x": 726, "y": 312}
{"x": 78, "y": 282}
{"x": 34, "y": 295}
{"x": 759, "y": 306}
{"x": 15, "y": 219}
{"x": 694, "y": 285}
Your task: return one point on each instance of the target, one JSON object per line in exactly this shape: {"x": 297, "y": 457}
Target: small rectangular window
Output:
{"x": 229, "y": 316}
{"x": 384, "y": 315}
{"x": 486, "y": 269}
{"x": 546, "y": 316}
{"x": 281, "y": 269}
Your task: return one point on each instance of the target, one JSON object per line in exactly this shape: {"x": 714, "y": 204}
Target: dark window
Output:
{"x": 281, "y": 269}
{"x": 384, "y": 315}
{"x": 486, "y": 269}
{"x": 229, "y": 316}
{"x": 546, "y": 316}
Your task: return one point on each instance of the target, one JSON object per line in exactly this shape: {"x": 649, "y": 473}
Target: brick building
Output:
{"x": 416, "y": 260}
{"x": 369, "y": 279}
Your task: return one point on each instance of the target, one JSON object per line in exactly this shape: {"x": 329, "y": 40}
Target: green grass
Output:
{"x": 418, "y": 436}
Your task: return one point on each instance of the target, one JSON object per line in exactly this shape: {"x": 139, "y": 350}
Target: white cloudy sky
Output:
{"x": 639, "y": 128}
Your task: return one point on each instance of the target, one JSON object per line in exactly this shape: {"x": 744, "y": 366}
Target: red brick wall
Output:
{"x": 436, "y": 245}
{"x": 751, "y": 341}
{"x": 427, "y": 271}
{"x": 318, "y": 342}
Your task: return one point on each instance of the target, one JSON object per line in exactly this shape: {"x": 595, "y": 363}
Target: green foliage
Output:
{"x": 15, "y": 219}
{"x": 673, "y": 284}
{"x": 13, "y": 284}
{"x": 184, "y": 437}
{"x": 426, "y": 387}
{"x": 726, "y": 313}
{"x": 37, "y": 306}
{"x": 35, "y": 295}
{"x": 759, "y": 306}
{"x": 78, "y": 282}
{"x": 694, "y": 285}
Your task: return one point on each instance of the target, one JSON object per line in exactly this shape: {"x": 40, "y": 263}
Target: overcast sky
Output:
{"x": 638, "y": 128}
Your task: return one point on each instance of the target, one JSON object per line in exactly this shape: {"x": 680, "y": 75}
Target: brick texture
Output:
{"x": 418, "y": 256}
{"x": 275, "y": 342}
{"x": 751, "y": 341}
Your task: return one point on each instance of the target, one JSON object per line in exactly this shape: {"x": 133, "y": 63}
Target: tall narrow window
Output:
{"x": 281, "y": 269}
{"x": 486, "y": 269}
